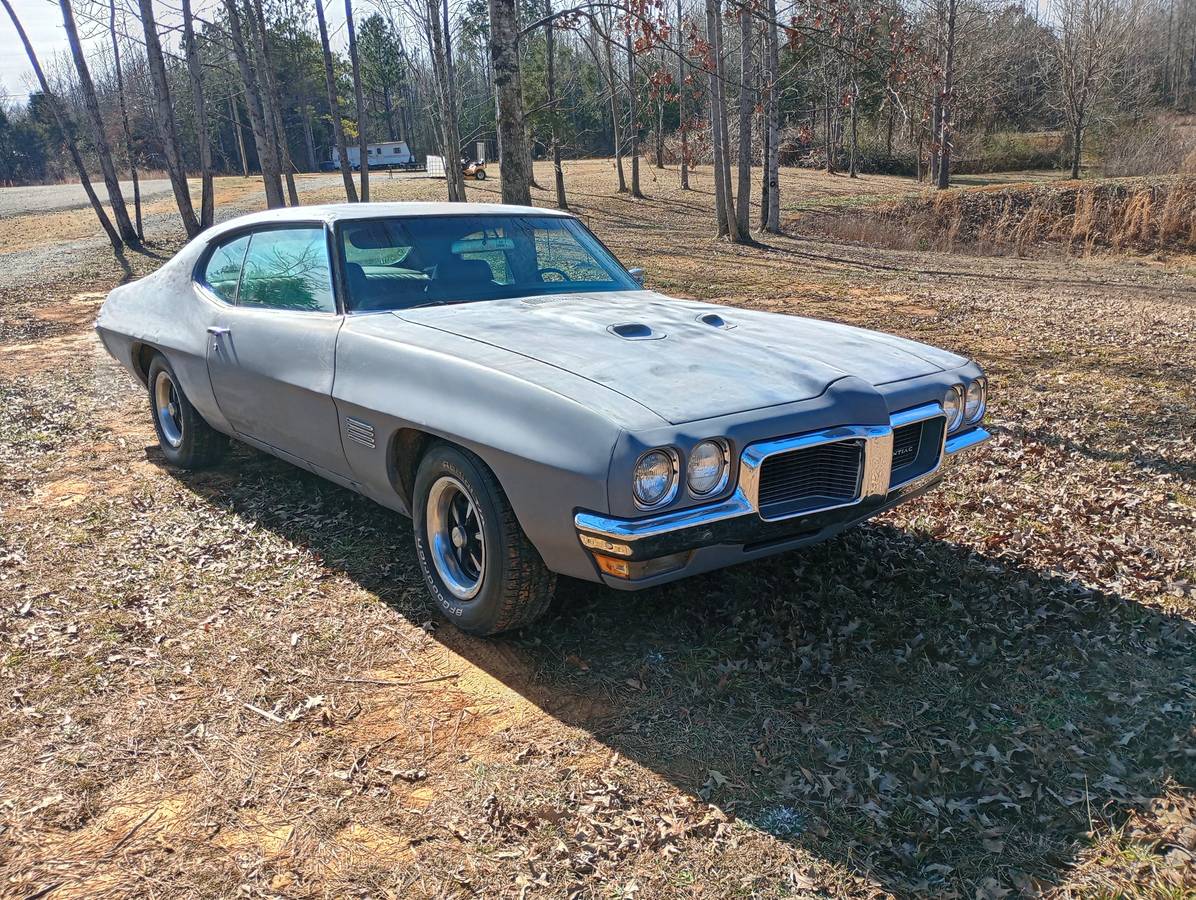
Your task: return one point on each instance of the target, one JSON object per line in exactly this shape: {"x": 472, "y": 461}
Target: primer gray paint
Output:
{"x": 544, "y": 389}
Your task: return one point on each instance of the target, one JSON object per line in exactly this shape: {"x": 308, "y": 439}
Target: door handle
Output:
{"x": 217, "y": 331}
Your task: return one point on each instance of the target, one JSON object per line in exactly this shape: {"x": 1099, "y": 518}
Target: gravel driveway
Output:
{"x": 16, "y": 201}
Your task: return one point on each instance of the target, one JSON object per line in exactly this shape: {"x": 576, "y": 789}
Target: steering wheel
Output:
{"x": 552, "y": 270}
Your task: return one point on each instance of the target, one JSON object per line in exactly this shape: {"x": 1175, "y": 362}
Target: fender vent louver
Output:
{"x": 360, "y": 432}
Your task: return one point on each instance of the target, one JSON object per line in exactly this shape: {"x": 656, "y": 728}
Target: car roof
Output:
{"x": 331, "y": 213}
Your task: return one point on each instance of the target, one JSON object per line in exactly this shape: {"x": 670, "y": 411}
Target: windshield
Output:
{"x": 402, "y": 263}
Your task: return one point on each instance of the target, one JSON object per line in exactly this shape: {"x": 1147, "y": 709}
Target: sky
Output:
{"x": 42, "y": 20}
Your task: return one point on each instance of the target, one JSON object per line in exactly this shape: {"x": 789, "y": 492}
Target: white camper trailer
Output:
{"x": 389, "y": 153}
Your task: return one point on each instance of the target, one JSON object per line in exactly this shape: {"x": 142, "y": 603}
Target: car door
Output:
{"x": 271, "y": 352}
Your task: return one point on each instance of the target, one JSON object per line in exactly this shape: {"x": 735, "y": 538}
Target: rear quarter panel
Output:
{"x": 164, "y": 311}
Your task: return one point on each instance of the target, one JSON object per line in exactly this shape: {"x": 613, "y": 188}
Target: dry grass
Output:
{"x": 1141, "y": 215}
{"x": 230, "y": 682}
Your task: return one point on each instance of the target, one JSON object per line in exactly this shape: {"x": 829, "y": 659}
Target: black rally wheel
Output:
{"x": 480, "y": 175}
{"x": 187, "y": 441}
{"x": 480, "y": 568}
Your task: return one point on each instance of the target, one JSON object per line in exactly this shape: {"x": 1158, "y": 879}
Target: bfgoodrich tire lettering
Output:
{"x": 515, "y": 588}
{"x": 187, "y": 441}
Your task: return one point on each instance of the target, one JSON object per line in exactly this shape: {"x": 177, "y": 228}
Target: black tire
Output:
{"x": 514, "y": 587}
{"x": 480, "y": 175}
{"x": 187, "y": 441}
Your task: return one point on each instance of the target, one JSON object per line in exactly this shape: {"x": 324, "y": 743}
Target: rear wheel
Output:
{"x": 479, "y": 566}
{"x": 187, "y": 441}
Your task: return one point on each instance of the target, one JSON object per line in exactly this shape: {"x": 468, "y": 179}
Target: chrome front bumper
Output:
{"x": 736, "y": 520}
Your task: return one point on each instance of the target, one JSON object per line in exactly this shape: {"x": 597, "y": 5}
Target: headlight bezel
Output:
{"x": 982, "y": 407}
{"x": 670, "y": 492}
{"x": 959, "y": 393}
{"x": 724, "y": 473}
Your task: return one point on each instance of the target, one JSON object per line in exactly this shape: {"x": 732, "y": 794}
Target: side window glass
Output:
{"x": 287, "y": 268}
{"x": 559, "y": 251}
{"x": 223, "y": 270}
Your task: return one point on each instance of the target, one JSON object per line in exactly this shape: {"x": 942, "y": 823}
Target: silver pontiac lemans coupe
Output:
{"x": 496, "y": 374}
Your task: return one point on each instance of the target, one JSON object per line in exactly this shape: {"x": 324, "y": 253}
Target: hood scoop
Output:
{"x": 714, "y": 320}
{"x": 635, "y": 331}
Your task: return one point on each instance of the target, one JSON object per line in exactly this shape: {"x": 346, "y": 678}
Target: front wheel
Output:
{"x": 187, "y": 441}
{"x": 480, "y": 175}
{"x": 479, "y": 566}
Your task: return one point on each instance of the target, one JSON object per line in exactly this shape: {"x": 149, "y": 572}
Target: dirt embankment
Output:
{"x": 1145, "y": 215}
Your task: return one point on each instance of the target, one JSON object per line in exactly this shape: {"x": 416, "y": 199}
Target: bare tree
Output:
{"x": 445, "y": 83}
{"x": 943, "y": 175}
{"x": 271, "y": 99}
{"x": 720, "y": 139}
{"x": 681, "y": 100}
{"x": 771, "y": 201}
{"x": 557, "y": 172}
{"x": 99, "y": 136}
{"x": 66, "y": 126}
{"x": 267, "y": 154}
{"x": 747, "y": 76}
{"x": 207, "y": 201}
{"x": 512, "y": 147}
{"x": 359, "y": 99}
{"x": 130, "y": 156}
{"x": 338, "y": 128}
{"x": 633, "y": 124}
{"x": 1091, "y": 37}
{"x": 164, "y": 117}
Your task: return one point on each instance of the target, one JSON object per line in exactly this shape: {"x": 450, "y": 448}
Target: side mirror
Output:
{"x": 638, "y": 274}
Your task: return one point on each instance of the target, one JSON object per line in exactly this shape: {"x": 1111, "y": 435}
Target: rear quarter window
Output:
{"x": 222, "y": 272}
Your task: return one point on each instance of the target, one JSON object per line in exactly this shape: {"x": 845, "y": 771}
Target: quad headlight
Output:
{"x": 975, "y": 401}
{"x": 953, "y": 406}
{"x": 654, "y": 481}
{"x": 706, "y": 472}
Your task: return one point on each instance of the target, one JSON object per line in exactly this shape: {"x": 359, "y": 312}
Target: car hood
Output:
{"x": 682, "y": 359}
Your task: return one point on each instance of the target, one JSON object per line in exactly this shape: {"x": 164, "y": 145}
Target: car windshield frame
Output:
{"x": 615, "y": 279}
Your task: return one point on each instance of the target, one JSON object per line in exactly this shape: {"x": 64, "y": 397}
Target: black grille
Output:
{"x": 824, "y": 475}
{"x": 906, "y": 441}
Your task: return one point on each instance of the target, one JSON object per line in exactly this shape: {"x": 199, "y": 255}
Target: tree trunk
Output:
{"x": 512, "y": 147}
{"x": 207, "y": 203}
{"x": 66, "y": 126}
{"x": 164, "y": 115}
{"x": 743, "y": 208}
{"x": 773, "y": 165}
{"x": 309, "y": 140}
{"x": 130, "y": 156}
{"x": 830, "y": 157}
{"x": 1077, "y": 136}
{"x": 681, "y": 103}
{"x": 232, "y": 105}
{"x": 944, "y": 172}
{"x": 935, "y": 119}
{"x": 359, "y": 100}
{"x": 853, "y": 165}
{"x": 723, "y": 215}
{"x": 266, "y": 152}
{"x": 633, "y": 119}
{"x": 272, "y": 99}
{"x": 724, "y": 131}
{"x": 558, "y": 174}
{"x": 338, "y": 128}
{"x": 446, "y": 87}
{"x": 116, "y": 200}
{"x": 614, "y": 113}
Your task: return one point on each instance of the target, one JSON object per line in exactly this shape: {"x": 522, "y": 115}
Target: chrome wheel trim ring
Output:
{"x": 168, "y": 410}
{"x": 455, "y": 537}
